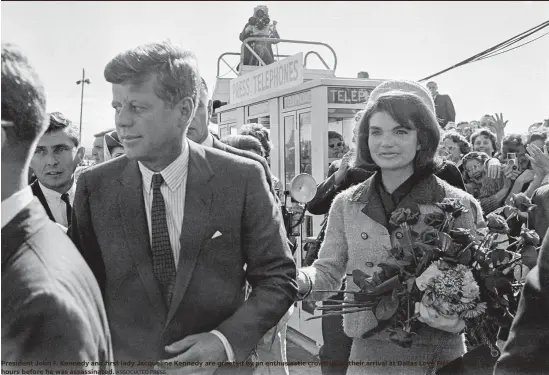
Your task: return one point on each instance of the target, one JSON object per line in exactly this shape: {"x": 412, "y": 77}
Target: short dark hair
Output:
{"x": 23, "y": 95}
{"x": 333, "y": 134}
{"x": 244, "y": 142}
{"x": 464, "y": 145}
{"x": 488, "y": 134}
{"x": 513, "y": 139}
{"x": 58, "y": 122}
{"x": 259, "y": 132}
{"x": 176, "y": 69}
{"x": 537, "y": 135}
{"x": 410, "y": 112}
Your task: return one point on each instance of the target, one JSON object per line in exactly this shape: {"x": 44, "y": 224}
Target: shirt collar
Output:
{"x": 209, "y": 141}
{"x": 53, "y": 195}
{"x": 12, "y": 205}
{"x": 174, "y": 174}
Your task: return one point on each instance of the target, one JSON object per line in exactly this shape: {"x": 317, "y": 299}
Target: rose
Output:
{"x": 530, "y": 237}
{"x": 452, "y": 206}
{"x": 522, "y": 202}
{"x": 462, "y": 236}
{"x": 403, "y": 215}
{"x": 423, "y": 280}
{"x": 435, "y": 219}
{"x": 431, "y": 317}
{"x": 429, "y": 236}
{"x": 497, "y": 223}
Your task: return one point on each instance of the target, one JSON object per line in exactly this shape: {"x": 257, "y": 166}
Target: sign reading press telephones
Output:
{"x": 267, "y": 79}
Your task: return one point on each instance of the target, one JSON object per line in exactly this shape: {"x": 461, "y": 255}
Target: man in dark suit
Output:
{"x": 199, "y": 132}
{"x": 443, "y": 105}
{"x": 539, "y": 216}
{"x": 169, "y": 228}
{"x": 526, "y": 349}
{"x": 54, "y": 162}
{"x": 52, "y": 309}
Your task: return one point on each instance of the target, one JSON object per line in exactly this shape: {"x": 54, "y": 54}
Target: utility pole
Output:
{"x": 82, "y": 82}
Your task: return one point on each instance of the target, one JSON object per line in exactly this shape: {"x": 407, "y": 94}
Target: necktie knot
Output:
{"x": 157, "y": 181}
{"x": 65, "y": 198}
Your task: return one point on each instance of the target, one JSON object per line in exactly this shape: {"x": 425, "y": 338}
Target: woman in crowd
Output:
{"x": 455, "y": 146}
{"x": 398, "y": 137}
{"x": 483, "y": 140}
{"x": 246, "y": 143}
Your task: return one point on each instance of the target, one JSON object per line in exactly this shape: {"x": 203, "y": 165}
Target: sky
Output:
{"x": 391, "y": 40}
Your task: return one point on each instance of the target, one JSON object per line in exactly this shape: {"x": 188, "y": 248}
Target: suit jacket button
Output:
{"x": 369, "y": 264}
{"x": 398, "y": 235}
{"x": 364, "y": 235}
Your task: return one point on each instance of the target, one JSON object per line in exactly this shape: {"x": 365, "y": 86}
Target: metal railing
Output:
{"x": 275, "y": 40}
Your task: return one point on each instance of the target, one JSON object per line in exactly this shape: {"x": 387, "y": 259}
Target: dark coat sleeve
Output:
{"x": 271, "y": 270}
{"x": 82, "y": 232}
{"x": 450, "y": 111}
{"x": 526, "y": 349}
{"x": 450, "y": 173}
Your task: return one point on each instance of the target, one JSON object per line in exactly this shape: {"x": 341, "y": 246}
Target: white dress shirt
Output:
{"x": 173, "y": 191}
{"x": 12, "y": 205}
{"x": 57, "y": 207}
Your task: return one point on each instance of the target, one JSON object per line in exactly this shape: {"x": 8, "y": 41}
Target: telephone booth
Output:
{"x": 310, "y": 114}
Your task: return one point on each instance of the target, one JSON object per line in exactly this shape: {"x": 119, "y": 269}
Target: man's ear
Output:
{"x": 186, "y": 109}
{"x": 79, "y": 155}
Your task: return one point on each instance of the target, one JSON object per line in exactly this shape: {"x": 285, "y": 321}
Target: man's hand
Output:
{"x": 196, "y": 351}
{"x": 510, "y": 174}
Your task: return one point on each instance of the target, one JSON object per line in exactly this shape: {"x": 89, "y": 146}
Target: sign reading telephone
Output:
{"x": 348, "y": 95}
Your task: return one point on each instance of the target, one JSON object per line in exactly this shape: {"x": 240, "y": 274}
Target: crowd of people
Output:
{"x": 170, "y": 253}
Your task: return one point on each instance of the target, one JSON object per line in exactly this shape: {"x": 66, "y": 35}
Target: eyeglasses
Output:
{"x": 338, "y": 144}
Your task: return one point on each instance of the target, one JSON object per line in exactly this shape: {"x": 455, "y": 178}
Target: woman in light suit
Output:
{"x": 398, "y": 136}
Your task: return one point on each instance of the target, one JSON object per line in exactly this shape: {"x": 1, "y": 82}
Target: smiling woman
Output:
{"x": 398, "y": 136}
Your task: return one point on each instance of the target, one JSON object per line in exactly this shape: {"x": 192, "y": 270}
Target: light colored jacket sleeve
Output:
{"x": 328, "y": 271}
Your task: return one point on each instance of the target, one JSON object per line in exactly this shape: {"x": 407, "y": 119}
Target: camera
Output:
{"x": 260, "y": 19}
{"x": 512, "y": 160}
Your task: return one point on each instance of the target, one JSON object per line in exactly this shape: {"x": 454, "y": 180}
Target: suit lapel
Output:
{"x": 367, "y": 194}
{"x": 134, "y": 221}
{"x": 198, "y": 200}
{"x": 37, "y": 191}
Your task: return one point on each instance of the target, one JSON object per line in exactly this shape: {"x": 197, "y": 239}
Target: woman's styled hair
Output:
{"x": 260, "y": 133}
{"x": 482, "y": 157}
{"x": 411, "y": 112}
{"x": 535, "y": 136}
{"x": 176, "y": 70}
{"x": 488, "y": 134}
{"x": 334, "y": 135}
{"x": 244, "y": 142}
{"x": 464, "y": 145}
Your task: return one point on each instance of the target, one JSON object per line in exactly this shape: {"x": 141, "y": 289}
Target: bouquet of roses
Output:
{"x": 448, "y": 278}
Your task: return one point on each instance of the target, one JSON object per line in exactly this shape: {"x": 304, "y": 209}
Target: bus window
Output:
{"x": 289, "y": 148}
{"x": 341, "y": 122}
{"x": 265, "y": 121}
{"x": 305, "y": 138}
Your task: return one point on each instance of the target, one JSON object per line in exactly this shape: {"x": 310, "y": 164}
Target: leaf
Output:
{"x": 361, "y": 280}
{"x": 389, "y": 285}
{"x": 386, "y": 308}
{"x": 465, "y": 257}
{"x": 400, "y": 337}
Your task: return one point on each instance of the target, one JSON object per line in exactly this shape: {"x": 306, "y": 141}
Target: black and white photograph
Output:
{"x": 275, "y": 188}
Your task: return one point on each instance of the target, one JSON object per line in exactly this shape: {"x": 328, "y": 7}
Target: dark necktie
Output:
{"x": 162, "y": 254}
{"x": 65, "y": 198}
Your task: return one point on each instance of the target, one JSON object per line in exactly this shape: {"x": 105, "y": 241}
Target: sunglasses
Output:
{"x": 338, "y": 144}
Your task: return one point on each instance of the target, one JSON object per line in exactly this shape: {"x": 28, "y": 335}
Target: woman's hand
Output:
{"x": 525, "y": 177}
{"x": 510, "y": 173}
{"x": 493, "y": 168}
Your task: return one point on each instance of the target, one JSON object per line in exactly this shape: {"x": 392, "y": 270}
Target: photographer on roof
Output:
{"x": 259, "y": 25}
